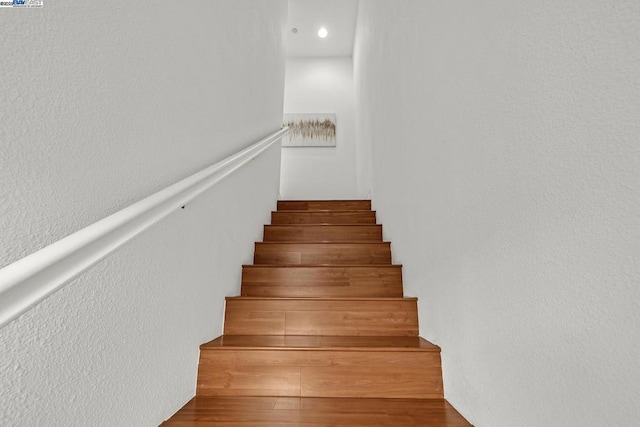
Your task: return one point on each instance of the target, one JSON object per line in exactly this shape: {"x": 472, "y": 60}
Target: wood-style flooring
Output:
{"x": 315, "y": 412}
{"x": 321, "y": 334}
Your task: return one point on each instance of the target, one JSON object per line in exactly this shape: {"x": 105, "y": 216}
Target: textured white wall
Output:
{"x": 321, "y": 85}
{"x": 102, "y": 104}
{"x": 506, "y": 173}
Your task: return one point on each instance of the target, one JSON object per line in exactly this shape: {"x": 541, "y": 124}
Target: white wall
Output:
{"x": 103, "y": 104}
{"x": 321, "y": 85}
{"x": 506, "y": 173}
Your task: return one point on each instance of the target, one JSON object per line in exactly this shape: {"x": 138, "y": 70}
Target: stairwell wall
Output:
{"x": 321, "y": 85}
{"x": 505, "y": 167}
{"x": 104, "y": 103}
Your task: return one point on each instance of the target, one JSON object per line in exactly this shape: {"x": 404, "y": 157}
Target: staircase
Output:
{"x": 321, "y": 334}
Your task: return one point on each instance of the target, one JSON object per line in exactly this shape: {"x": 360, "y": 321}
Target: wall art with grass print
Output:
{"x": 310, "y": 130}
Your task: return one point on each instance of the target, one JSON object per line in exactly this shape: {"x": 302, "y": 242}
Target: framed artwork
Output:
{"x": 310, "y": 130}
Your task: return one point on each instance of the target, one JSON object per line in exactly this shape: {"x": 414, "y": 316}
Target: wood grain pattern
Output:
{"x": 322, "y": 281}
{"x": 323, "y": 217}
{"x": 320, "y": 316}
{"x": 318, "y": 205}
{"x": 320, "y": 373}
{"x": 208, "y": 411}
{"x": 362, "y": 343}
{"x": 322, "y": 233}
{"x": 320, "y": 333}
{"x": 402, "y": 375}
{"x": 284, "y": 253}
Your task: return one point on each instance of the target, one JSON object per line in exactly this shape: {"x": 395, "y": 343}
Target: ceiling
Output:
{"x": 337, "y": 16}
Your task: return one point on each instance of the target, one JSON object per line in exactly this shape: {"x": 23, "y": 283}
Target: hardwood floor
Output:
{"x": 321, "y": 334}
{"x": 320, "y": 205}
{"x": 322, "y": 281}
{"x": 322, "y": 253}
{"x": 323, "y": 217}
{"x": 320, "y": 366}
{"x": 325, "y": 342}
{"x": 323, "y": 233}
{"x": 321, "y": 316}
{"x": 315, "y": 412}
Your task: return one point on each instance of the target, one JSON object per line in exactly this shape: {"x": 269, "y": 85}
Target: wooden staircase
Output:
{"x": 321, "y": 334}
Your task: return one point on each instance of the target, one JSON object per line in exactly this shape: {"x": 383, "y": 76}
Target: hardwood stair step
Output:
{"x": 341, "y": 369}
{"x": 322, "y": 281}
{"x": 322, "y": 253}
{"x": 320, "y": 205}
{"x": 322, "y": 233}
{"x": 321, "y": 316}
{"x": 320, "y": 342}
{"x": 321, "y": 333}
{"x": 207, "y": 411}
{"x": 323, "y": 217}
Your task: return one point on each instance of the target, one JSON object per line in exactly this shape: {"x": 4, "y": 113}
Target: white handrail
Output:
{"x": 31, "y": 279}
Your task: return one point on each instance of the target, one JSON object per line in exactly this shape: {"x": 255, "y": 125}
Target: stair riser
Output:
{"x": 322, "y": 233}
{"x": 317, "y": 205}
{"x": 374, "y": 281}
{"x": 303, "y": 373}
{"x": 322, "y": 253}
{"x": 321, "y": 317}
{"x": 345, "y": 217}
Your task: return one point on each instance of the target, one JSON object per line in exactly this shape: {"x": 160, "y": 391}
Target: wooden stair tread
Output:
{"x": 204, "y": 411}
{"x": 322, "y": 225}
{"x": 322, "y": 265}
{"x": 323, "y": 217}
{"x": 352, "y": 242}
{"x": 285, "y": 205}
{"x": 323, "y": 298}
{"x": 336, "y": 266}
{"x": 322, "y": 232}
{"x": 322, "y": 253}
{"x": 320, "y": 343}
{"x": 324, "y": 211}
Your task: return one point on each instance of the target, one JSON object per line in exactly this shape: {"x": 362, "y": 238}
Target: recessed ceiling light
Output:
{"x": 322, "y": 32}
